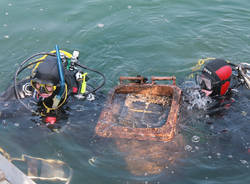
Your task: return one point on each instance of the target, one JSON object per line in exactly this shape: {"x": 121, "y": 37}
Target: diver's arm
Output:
{"x": 24, "y": 90}
{"x": 220, "y": 105}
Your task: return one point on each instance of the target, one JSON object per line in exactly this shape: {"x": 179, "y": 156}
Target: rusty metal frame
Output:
{"x": 137, "y": 85}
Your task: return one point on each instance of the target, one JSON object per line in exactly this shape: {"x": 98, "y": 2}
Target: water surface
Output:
{"x": 155, "y": 37}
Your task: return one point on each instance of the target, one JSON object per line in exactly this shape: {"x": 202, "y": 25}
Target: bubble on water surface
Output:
{"x": 196, "y": 100}
{"x": 188, "y": 148}
{"x": 244, "y": 113}
{"x": 92, "y": 161}
{"x": 129, "y": 7}
{"x": 100, "y": 25}
{"x": 195, "y": 138}
{"x": 218, "y": 155}
{"x": 244, "y": 162}
{"x": 196, "y": 147}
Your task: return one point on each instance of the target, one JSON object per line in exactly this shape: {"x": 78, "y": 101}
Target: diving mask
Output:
{"x": 204, "y": 82}
{"x": 207, "y": 84}
{"x": 41, "y": 88}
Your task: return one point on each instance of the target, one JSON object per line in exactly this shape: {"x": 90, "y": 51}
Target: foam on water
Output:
{"x": 194, "y": 97}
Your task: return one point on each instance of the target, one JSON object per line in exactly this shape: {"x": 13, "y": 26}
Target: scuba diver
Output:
{"x": 217, "y": 84}
{"x": 54, "y": 78}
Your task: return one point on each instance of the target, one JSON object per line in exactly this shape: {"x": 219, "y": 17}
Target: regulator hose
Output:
{"x": 101, "y": 74}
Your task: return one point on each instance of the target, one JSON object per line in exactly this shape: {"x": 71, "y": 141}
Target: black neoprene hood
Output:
{"x": 211, "y": 67}
{"x": 219, "y": 71}
{"x": 47, "y": 71}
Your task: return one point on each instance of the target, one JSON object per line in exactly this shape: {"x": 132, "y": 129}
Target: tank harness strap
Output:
{"x": 65, "y": 94}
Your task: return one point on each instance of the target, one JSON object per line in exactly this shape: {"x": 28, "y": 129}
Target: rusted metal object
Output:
{"x": 124, "y": 99}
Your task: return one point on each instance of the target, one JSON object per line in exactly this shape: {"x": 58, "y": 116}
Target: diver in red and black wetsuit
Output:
{"x": 218, "y": 81}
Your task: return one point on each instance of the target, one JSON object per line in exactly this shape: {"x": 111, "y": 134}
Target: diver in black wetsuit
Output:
{"x": 50, "y": 87}
{"x": 218, "y": 81}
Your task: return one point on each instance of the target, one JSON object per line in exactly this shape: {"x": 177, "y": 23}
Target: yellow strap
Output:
{"x": 84, "y": 84}
{"x": 199, "y": 64}
{"x": 48, "y": 109}
{"x": 67, "y": 54}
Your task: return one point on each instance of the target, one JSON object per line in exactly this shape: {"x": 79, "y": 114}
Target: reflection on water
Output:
{"x": 150, "y": 157}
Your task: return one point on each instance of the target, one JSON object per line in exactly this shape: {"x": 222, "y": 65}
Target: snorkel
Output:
{"x": 62, "y": 81}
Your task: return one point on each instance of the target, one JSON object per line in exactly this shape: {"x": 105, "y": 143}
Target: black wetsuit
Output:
{"x": 44, "y": 105}
{"x": 220, "y": 103}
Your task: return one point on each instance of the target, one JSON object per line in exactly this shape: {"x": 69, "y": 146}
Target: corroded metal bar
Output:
{"x": 141, "y": 79}
{"x": 173, "y": 78}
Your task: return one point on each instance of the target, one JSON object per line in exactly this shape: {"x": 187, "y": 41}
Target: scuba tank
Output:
{"x": 244, "y": 73}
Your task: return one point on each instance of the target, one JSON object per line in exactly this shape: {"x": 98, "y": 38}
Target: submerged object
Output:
{"x": 141, "y": 118}
{"x": 141, "y": 111}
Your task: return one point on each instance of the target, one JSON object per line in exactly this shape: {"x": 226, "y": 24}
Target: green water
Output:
{"x": 147, "y": 37}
